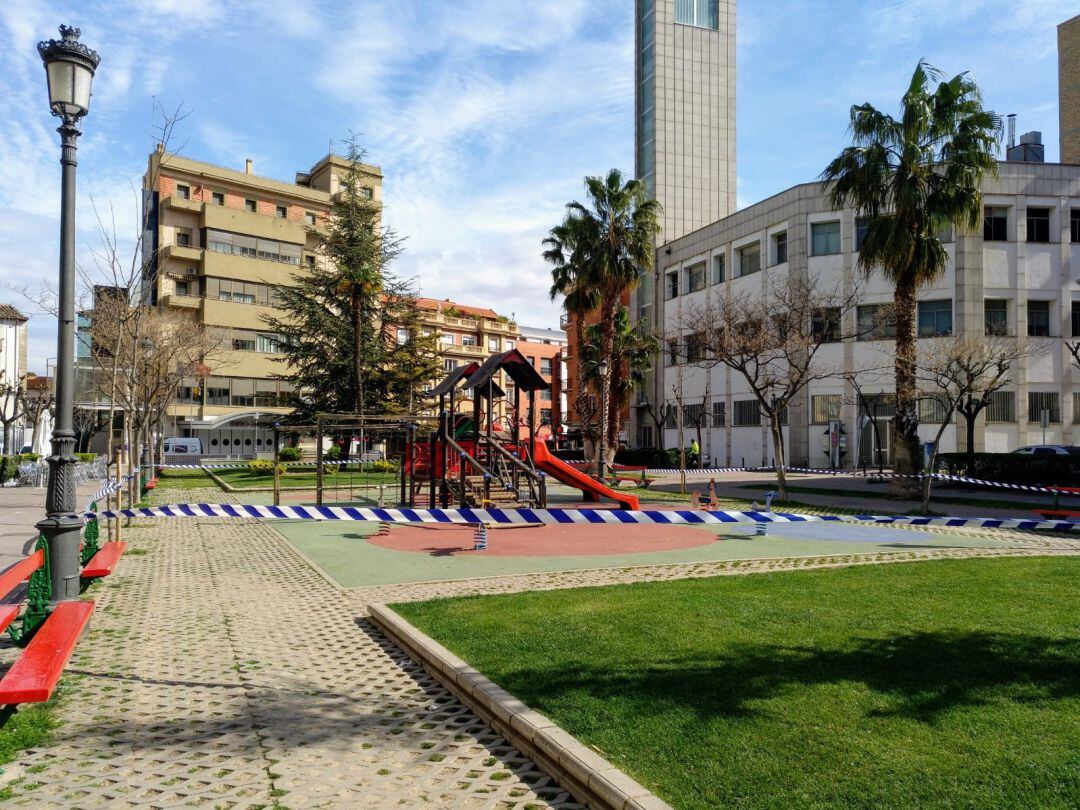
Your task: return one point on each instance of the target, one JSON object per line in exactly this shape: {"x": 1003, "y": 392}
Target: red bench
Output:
{"x": 52, "y": 634}
{"x": 103, "y": 563}
{"x": 1057, "y": 514}
{"x": 33, "y": 677}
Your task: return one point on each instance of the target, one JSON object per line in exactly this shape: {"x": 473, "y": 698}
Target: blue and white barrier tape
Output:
{"x": 689, "y": 517}
{"x": 110, "y": 488}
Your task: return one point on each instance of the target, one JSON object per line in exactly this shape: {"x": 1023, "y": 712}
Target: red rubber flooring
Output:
{"x": 561, "y": 540}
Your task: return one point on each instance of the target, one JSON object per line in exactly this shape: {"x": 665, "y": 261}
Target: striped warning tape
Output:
{"x": 551, "y": 516}
{"x": 109, "y": 488}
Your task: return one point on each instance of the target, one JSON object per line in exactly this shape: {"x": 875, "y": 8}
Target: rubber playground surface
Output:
{"x": 358, "y": 555}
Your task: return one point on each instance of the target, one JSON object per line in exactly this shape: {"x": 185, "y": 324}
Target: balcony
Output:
{"x": 475, "y": 351}
{"x": 184, "y": 252}
{"x": 181, "y": 204}
{"x": 236, "y": 220}
{"x": 181, "y": 301}
{"x": 506, "y": 327}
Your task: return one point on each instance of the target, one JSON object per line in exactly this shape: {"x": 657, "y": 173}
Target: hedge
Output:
{"x": 1015, "y": 468}
{"x": 86, "y": 457}
{"x": 648, "y": 457}
{"x": 289, "y": 454}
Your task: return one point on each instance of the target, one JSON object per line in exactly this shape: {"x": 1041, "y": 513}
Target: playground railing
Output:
{"x": 519, "y": 468}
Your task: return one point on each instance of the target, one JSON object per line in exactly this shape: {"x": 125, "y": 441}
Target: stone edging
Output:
{"x": 587, "y": 775}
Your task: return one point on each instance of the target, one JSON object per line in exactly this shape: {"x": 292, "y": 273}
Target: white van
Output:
{"x": 183, "y": 446}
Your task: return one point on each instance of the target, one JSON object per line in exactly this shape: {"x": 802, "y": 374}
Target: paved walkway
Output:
{"x": 221, "y": 670}
{"x": 20, "y": 509}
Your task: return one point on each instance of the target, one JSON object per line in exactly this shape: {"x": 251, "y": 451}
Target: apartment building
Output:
{"x": 1018, "y": 276}
{"x": 12, "y": 367}
{"x": 469, "y": 334}
{"x": 545, "y": 350}
{"x": 219, "y": 239}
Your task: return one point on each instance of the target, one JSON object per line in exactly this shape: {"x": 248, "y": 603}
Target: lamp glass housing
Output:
{"x": 69, "y": 87}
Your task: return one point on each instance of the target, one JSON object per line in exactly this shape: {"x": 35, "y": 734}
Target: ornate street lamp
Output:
{"x": 69, "y": 66}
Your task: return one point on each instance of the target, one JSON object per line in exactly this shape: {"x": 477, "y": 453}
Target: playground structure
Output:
{"x": 477, "y": 460}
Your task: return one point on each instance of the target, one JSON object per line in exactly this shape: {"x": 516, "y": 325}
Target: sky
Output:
{"x": 485, "y": 115}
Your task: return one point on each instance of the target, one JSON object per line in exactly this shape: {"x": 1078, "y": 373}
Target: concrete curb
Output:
{"x": 588, "y": 776}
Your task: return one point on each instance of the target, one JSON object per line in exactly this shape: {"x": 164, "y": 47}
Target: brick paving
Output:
{"x": 221, "y": 670}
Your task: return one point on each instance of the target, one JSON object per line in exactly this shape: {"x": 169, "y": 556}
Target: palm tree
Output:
{"x": 911, "y": 177}
{"x": 598, "y": 252}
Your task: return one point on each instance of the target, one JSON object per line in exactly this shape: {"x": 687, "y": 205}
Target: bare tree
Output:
{"x": 772, "y": 338}
{"x": 660, "y": 413}
{"x": 12, "y": 406}
{"x": 36, "y": 403}
{"x": 959, "y": 375}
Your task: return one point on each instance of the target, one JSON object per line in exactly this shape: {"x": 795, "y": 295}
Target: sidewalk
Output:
{"x": 20, "y": 509}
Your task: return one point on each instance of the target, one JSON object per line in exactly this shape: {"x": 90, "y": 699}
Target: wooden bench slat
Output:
{"x": 103, "y": 563}
{"x": 20, "y": 571}
{"x": 33, "y": 677}
{"x": 7, "y": 615}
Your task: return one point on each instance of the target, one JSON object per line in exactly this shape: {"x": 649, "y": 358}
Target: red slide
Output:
{"x": 592, "y": 488}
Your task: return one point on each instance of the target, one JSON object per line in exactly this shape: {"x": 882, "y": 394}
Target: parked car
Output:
{"x": 1049, "y": 450}
{"x": 183, "y": 446}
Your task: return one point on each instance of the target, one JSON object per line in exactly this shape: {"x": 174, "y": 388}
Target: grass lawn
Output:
{"x": 937, "y": 496}
{"x": 933, "y": 684}
{"x": 243, "y": 478}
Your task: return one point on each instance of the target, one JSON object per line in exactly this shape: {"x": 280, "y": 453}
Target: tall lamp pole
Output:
{"x": 602, "y": 367}
{"x": 69, "y": 66}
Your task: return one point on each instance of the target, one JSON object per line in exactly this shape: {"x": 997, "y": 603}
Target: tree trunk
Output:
{"x": 928, "y": 479}
{"x": 781, "y": 458}
{"x": 970, "y": 417}
{"x": 354, "y": 313}
{"x": 607, "y": 315}
{"x": 906, "y": 421}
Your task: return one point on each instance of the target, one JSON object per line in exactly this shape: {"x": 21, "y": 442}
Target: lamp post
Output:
{"x": 69, "y": 67}
{"x": 602, "y": 367}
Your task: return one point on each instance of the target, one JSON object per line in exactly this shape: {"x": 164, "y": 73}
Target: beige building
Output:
{"x": 1069, "y": 89}
{"x": 220, "y": 239}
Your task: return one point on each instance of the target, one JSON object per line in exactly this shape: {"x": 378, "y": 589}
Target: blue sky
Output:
{"x": 484, "y": 114}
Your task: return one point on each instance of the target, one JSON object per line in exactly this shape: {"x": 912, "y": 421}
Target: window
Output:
{"x": 493, "y": 344}
{"x": 545, "y": 413}
{"x": 1001, "y": 407}
{"x": 184, "y": 192}
{"x": 749, "y": 259}
{"x": 824, "y": 238}
{"x": 672, "y": 286}
{"x": 183, "y": 237}
{"x": 932, "y": 412}
{"x": 468, "y": 340}
{"x": 826, "y": 324}
{"x": 861, "y": 226}
{"x": 1074, "y": 225}
{"x": 824, "y": 408}
{"x": 747, "y": 413}
{"x": 672, "y": 353}
{"x": 779, "y": 242}
{"x": 995, "y": 223}
{"x": 545, "y": 395}
{"x": 402, "y": 336}
{"x": 1076, "y": 318}
{"x": 694, "y": 415}
{"x": 217, "y": 396}
{"x": 181, "y": 288}
{"x": 702, "y": 13}
{"x": 309, "y": 260}
{"x": 252, "y": 247}
{"x": 695, "y": 277}
{"x": 719, "y": 413}
{"x": 996, "y": 316}
{"x": 1039, "y": 401}
{"x": 670, "y": 420}
{"x": 1038, "y": 224}
{"x": 217, "y": 198}
{"x": 1038, "y": 318}
{"x": 251, "y": 205}
{"x": 447, "y": 338}
{"x": 244, "y": 344}
{"x": 935, "y": 318}
{"x": 695, "y": 347}
{"x": 268, "y": 344}
{"x": 309, "y": 218}
{"x": 367, "y": 192}
{"x": 719, "y": 269}
{"x": 545, "y": 366}
{"x": 876, "y": 322}
{"x": 449, "y": 364}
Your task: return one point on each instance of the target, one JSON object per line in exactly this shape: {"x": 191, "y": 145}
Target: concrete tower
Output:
{"x": 1069, "y": 89}
{"x": 685, "y": 104}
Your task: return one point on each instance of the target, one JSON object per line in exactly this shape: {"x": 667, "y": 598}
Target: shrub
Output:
{"x": 289, "y": 454}
{"x": 87, "y": 457}
{"x": 569, "y": 455}
{"x": 332, "y": 453}
{"x": 382, "y": 466}
{"x": 1014, "y": 468}
{"x": 648, "y": 457}
{"x": 261, "y": 466}
{"x": 8, "y": 468}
